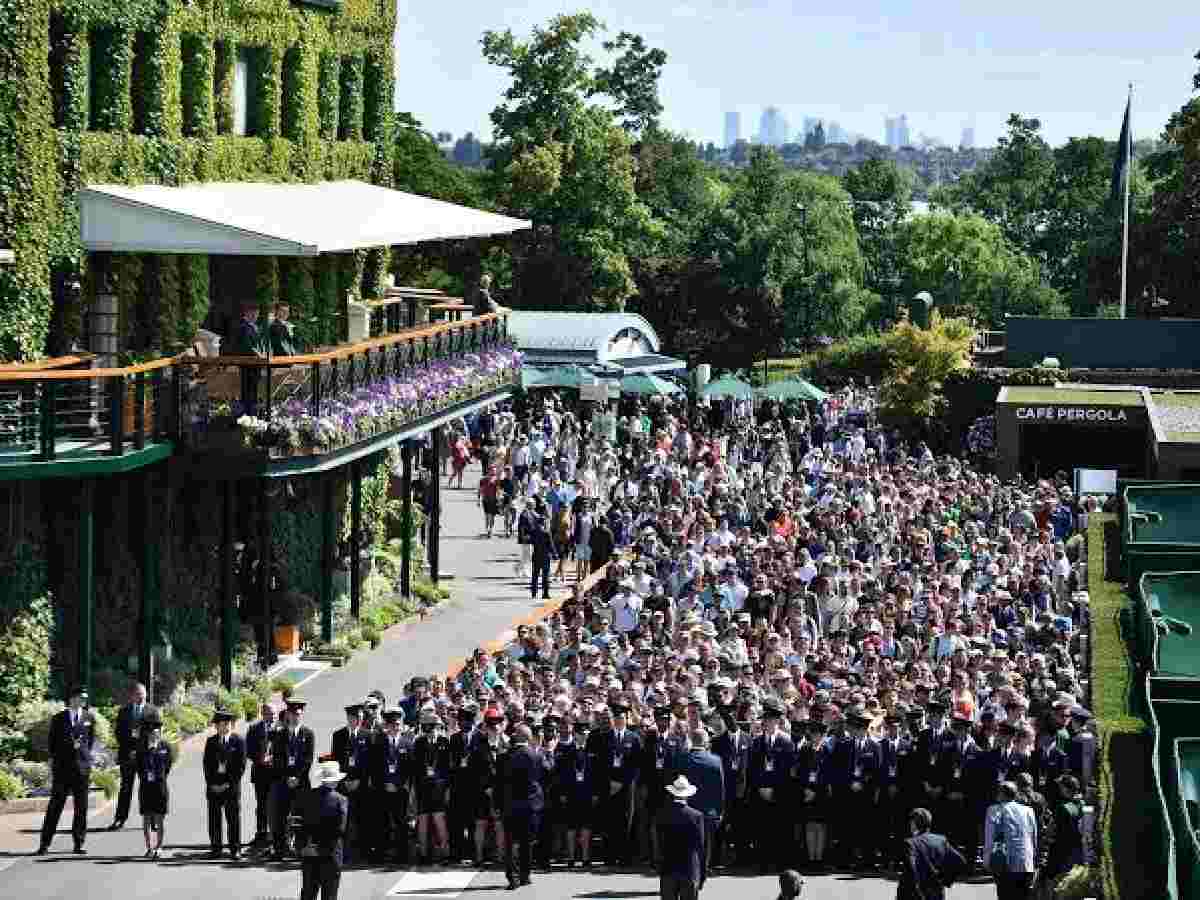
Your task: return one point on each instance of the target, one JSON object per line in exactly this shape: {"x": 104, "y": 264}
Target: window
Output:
{"x": 241, "y": 91}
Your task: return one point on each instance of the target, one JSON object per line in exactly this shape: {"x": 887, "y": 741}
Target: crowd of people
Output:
{"x": 817, "y": 629}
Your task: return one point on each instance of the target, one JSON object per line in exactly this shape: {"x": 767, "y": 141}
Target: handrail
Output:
{"x": 48, "y": 365}
{"x": 86, "y": 374}
{"x": 283, "y": 362}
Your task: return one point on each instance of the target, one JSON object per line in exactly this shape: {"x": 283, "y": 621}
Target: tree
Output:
{"x": 444, "y": 137}
{"x": 882, "y": 195}
{"x": 922, "y": 358}
{"x": 632, "y": 81}
{"x": 564, "y": 164}
{"x": 965, "y": 262}
{"x": 420, "y": 168}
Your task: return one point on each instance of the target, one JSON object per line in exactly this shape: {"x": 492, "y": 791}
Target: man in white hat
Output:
{"x": 683, "y": 865}
{"x": 323, "y": 814}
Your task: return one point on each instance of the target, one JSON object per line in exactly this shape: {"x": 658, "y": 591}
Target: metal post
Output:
{"x": 87, "y": 584}
{"x": 406, "y": 520}
{"x": 116, "y": 415}
{"x": 435, "y": 506}
{"x": 327, "y": 559}
{"x": 228, "y": 625}
{"x": 267, "y": 635}
{"x": 139, "y": 411}
{"x": 150, "y": 537}
{"x": 355, "y": 539}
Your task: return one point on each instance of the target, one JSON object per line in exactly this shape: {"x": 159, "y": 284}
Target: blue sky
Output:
{"x": 945, "y": 64}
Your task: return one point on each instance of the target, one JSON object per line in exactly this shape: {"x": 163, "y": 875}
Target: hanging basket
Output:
{"x": 129, "y": 420}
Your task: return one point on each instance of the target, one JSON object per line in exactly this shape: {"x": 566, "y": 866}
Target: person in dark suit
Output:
{"x": 855, "y": 771}
{"x": 72, "y": 734}
{"x": 683, "y": 866}
{"x": 293, "y": 749}
{"x": 616, "y": 778}
{"x": 283, "y": 333}
{"x": 224, "y": 765}
{"x": 250, "y": 340}
{"x": 770, "y": 767}
{"x": 703, "y": 769}
{"x": 154, "y": 761}
{"x": 523, "y": 770}
{"x": 929, "y": 863}
{"x": 128, "y": 728}
{"x": 542, "y": 541}
{"x": 351, "y": 747}
{"x": 323, "y": 815}
{"x": 258, "y": 751}
{"x": 391, "y": 777}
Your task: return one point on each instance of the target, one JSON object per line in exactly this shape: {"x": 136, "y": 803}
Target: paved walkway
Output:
{"x": 487, "y": 600}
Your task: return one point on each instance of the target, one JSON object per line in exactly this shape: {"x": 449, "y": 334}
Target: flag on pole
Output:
{"x": 1124, "y": 157}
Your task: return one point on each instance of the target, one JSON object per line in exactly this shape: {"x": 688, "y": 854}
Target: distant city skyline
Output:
{"x": 1067, "y": 64}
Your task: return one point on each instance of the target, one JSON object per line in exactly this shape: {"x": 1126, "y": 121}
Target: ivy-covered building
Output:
{"x": 117, "y": 516}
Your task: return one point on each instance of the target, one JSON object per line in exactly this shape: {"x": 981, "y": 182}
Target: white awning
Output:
{"x": 254, "y": 219}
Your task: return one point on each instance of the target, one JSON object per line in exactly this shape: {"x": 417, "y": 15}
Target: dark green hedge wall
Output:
{"x": 93, "y": 91}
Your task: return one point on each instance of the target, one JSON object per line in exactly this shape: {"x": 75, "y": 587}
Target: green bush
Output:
{"x": 248, "y": 705}
{"x": 107, "y": 780}
{"x": 187, "y": 719}
{"x": 34, "y": 774}
{"x": 26, "y": 627}
{"x": 229, "y": 700}
{"x": 372, "y": 636}
{"x": 13, "y": 745}
{"x": 281, "y": 686}
{"x": 11, "y": 787}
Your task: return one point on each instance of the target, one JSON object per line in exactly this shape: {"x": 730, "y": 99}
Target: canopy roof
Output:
{"x": 606, "y": 336}
{"x": 792, "y": 389}
{"x": 257, "y": 219}
{"x": 728, "y": 387}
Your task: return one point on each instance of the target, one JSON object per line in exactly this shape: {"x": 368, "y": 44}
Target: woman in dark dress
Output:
{"x": 153, "y": 765}
{"x": 811, "y": 782}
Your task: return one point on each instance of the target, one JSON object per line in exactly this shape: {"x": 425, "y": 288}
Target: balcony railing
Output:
{"x": 71, "y": 415}
{"x": 314, "y": 403}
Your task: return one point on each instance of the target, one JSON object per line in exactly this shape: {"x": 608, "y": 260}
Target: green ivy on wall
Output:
{"x": 142, "y": 91}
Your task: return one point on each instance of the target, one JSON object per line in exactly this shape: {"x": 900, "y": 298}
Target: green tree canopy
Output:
{"x": 420, "y": 168}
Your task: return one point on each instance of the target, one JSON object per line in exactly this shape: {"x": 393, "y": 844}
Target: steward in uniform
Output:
{"x": 486, "y": 749}
{"x": 617, "y": 775}
{"x": 224, "y": 765}
{"x": 807, "y": 792}
{"x": 770, "y": 764}
{"x": 351, "y": 747}
{"x": 929, "y": 759}
{"x": 391, "y": 775}
{"x": 461, "y": 812}
{"x": 71, "y": 737}
{"x": 574, "y": 786}
{"x": 732, "y": 745}
{"x": 431, "y": 772}
{"x": 545, "y": 738}
{"x": 855, "y": 774}
{"x": 894, "y": 751}
{"x": 262, "y": 774}
{"x": 293, "y": 749}
{"x": 659, "y": 752}
{"x": 956, "y": 762}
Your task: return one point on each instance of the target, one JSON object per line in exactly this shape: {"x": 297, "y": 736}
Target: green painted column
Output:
{"x": 406, "y": 520}
{"x": 355, "y": 539}
{"x": 434, "y": 531}
{"x": 327, "y": 559}
{"x": 149, "y": 611}
{"x": 87, "y": 581}
{"x": 267, "y": 626}
{"x": 228, "y": 613}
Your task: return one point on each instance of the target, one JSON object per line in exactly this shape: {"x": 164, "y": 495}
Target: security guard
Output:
{"x": 574, "y": 785}
{"x": 391, "y": 776}
{"x": 259, "y": 738}
{"x": 659, "y": 751}
{"x": 732, "y": 745}
{"x": 431, "y": 777}
{"x": 770, "y": 766}
{"x": 224, "y": 765}
{"x": 956, "y": 763}
{"x": 855, "y": 776}
{"x": 293, "y": 750}
{"x": 486, "y": 749}
{"x": 893, "y": 749}
{"x": 929, "y": 757}
{"x": 549, "y": 825}
{"x": 620, "y": 753}
{"x": 462, "y": 791}
{"x": 351, "y": 747}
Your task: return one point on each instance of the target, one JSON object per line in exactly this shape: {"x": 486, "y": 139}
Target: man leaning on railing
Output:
{"x": 250, "y": 340}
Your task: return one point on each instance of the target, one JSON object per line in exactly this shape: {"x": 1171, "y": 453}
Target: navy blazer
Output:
{"x": 627, "y": 752}
{"x": 353, "y": 755}
{"x": 734, "y": 751}
{"x": 703, "y": 769}
{"x": 854, "y": 761}
{"x": 929, "y": 866}
{"x": 129, "y": 738}
{"x": 299, "y": 751}
{"x": 681, "y": 844}
{"x": 323, "y": 822}
{"x": 258, "y": 741}
{"x": 523, "y": 770}
{"x": 770, "y": 766}
{"x": 71, "y": 746}
{"x": 233, "y": 756}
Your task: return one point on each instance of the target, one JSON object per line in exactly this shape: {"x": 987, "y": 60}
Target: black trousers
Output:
{"x": 125, "y": 795}
{"x": 360, "y": 819}
{"x": 855, "y": 817}
{"x": 283, "y": 798}
{"x": 519, "y": 829}
{"x": 391, "y": 824}
{"x": 772, "y": 832}
{"x": 460, "y": 820}
{"x": 77, "y": 788}
{"x": 618, "y": 822}
{"x": 541, "y": 566}
{"x": 320, "y": 876}
{"x": 227, "y": 803}
{"x": 262, "y": 809}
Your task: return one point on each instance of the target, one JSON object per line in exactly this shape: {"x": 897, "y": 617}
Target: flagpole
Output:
{"x": 1128, "y": 178}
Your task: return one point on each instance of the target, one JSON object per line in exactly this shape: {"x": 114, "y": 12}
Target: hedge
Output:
{"x": 1129, "y": 831}
{"x": 141, "y": 91}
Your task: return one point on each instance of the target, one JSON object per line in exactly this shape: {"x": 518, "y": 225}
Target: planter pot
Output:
{"x": 287, "y": 638}
{"x": 129, "y": 419}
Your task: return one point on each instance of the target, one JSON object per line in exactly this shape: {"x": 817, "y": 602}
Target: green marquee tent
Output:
{"x": 792, "y": 389}
{"x": 648, "y": 384}
{"x": 728, "y": 387}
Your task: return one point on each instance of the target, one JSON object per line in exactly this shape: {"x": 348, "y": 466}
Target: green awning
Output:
{"x": 728, "y": 387}
{"x": 558, "y": 377}
{"x": 792, "y": 389}
{"x": 648, "y": 384}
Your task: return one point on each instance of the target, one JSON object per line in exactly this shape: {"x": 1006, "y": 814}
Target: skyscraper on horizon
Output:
{"x": 902, "y": 135}
{"x": 733, "y": 128}
{"x": 889, "y": 132}
{"x": 968, "y": 138}
{"x": 772, "y": 127}
{"x": 835, "y": 135}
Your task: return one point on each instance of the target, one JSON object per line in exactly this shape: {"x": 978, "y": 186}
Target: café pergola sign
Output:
{"x": 1071, "y": 414}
